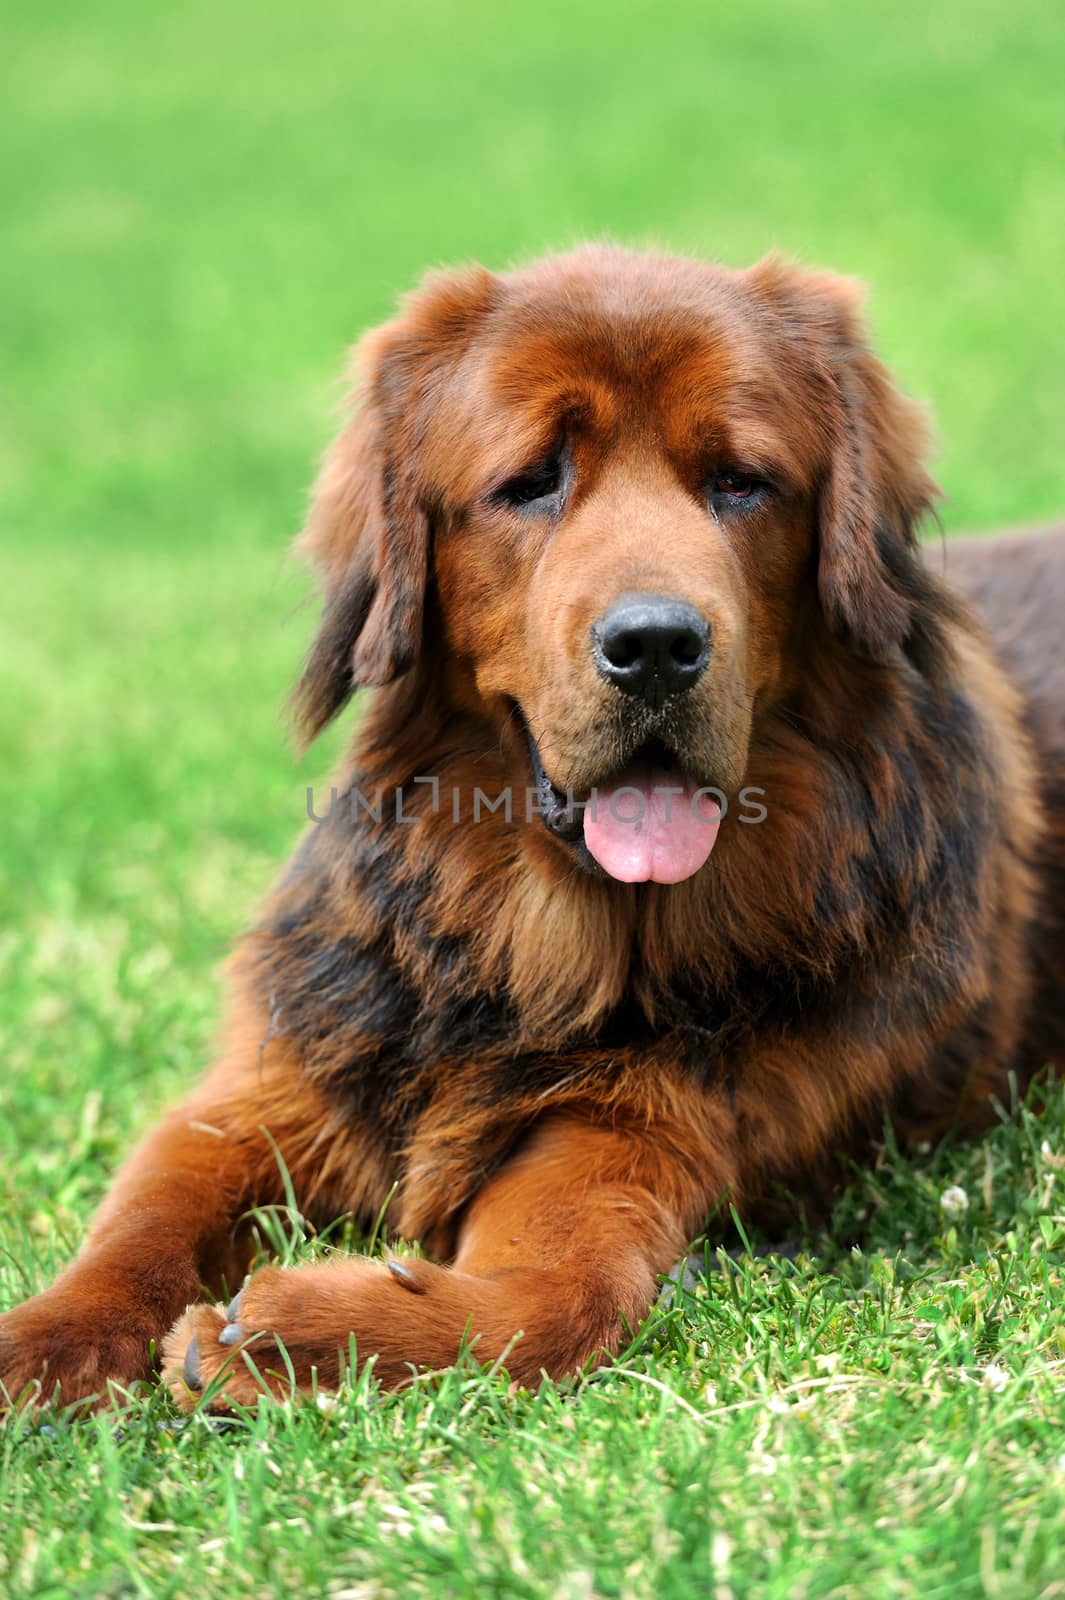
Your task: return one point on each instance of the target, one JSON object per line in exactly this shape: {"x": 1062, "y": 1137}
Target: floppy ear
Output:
{"x": 876, "y": 492}
{"x": 368, "y": 536}
{"x": 368, "y": 529}
{"x": 876, "y": 489}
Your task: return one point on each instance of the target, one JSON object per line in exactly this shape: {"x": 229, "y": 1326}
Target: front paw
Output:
{"x": 291, "y": 1329}
{"x": 198, "y": 1356}
{"x": 64, "y": 1345}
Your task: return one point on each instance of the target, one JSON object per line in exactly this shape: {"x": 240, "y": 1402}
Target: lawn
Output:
{"x": 202, "y": 206}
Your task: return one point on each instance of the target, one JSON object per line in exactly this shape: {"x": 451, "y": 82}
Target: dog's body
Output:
{"x": 616, "y": 525}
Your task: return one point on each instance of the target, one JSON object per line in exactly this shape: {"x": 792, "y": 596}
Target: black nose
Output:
{"x": 651, "y": 646}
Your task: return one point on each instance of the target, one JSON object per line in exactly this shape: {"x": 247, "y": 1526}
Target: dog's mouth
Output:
{"x": 648, "y": 822}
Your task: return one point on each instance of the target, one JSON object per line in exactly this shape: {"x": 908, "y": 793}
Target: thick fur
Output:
{"x": 563, "y": 1075}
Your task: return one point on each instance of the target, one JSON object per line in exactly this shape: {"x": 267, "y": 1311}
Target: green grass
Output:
{"x": 882, "y": 1421}
{"x": 202, "y": 205}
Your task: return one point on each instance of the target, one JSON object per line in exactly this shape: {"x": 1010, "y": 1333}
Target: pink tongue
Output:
{"x": 649, "y": 828}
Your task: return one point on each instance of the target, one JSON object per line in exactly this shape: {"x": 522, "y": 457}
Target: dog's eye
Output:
{"x": 736, "y": 486}
{"x": 540, "y": 482}
{"x": 732, "y": 490}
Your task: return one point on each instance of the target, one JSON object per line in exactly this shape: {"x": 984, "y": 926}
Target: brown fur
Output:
{"x": 565, "y": 1075}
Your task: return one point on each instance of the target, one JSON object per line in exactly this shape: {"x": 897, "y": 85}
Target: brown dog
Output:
{"x": 693, "y": 828}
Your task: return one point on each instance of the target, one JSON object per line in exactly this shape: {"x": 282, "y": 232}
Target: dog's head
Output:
{"x": 628, "y": 488}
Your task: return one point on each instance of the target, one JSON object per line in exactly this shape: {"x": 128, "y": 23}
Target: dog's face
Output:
{"x": 628, "y": 484}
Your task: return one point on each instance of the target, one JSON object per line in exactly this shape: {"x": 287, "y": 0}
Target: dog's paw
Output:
{"x": 195, "y": 1358}
{"x": 210, "y": 1359}
{"x": 261, "y": 1344}
{"x": 295, "y": 1329}
{"x": 61, "y": 1348}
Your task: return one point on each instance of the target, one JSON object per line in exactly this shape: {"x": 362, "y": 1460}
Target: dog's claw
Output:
{"x": 232, "y": 1333}
{"x": 404, "y": 1274}
{"x": 191, "y": 1367}
{"x": 233, "y": 1308}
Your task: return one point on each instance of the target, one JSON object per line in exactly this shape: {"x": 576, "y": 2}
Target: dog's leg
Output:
{"x": 170, "y": 1225}
{"x": 557, "y": 1255}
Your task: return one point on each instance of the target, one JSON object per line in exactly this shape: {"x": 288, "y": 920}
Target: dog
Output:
{"x": 695, "y": 825}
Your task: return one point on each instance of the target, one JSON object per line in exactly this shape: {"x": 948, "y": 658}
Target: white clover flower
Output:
{"x": 954, "y": 1202}
{"x": 995, "y": 1377}
{"x": 1051, "y": 1158}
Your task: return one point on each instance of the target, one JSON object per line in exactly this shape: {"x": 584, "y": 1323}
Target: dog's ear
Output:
{"x": 875, "y": 489}
{"x": 876, "y": 492}
{"x": 368, "y": 529}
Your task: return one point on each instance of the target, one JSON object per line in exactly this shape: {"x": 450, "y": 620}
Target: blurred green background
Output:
{"x": 202, "y": 206}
